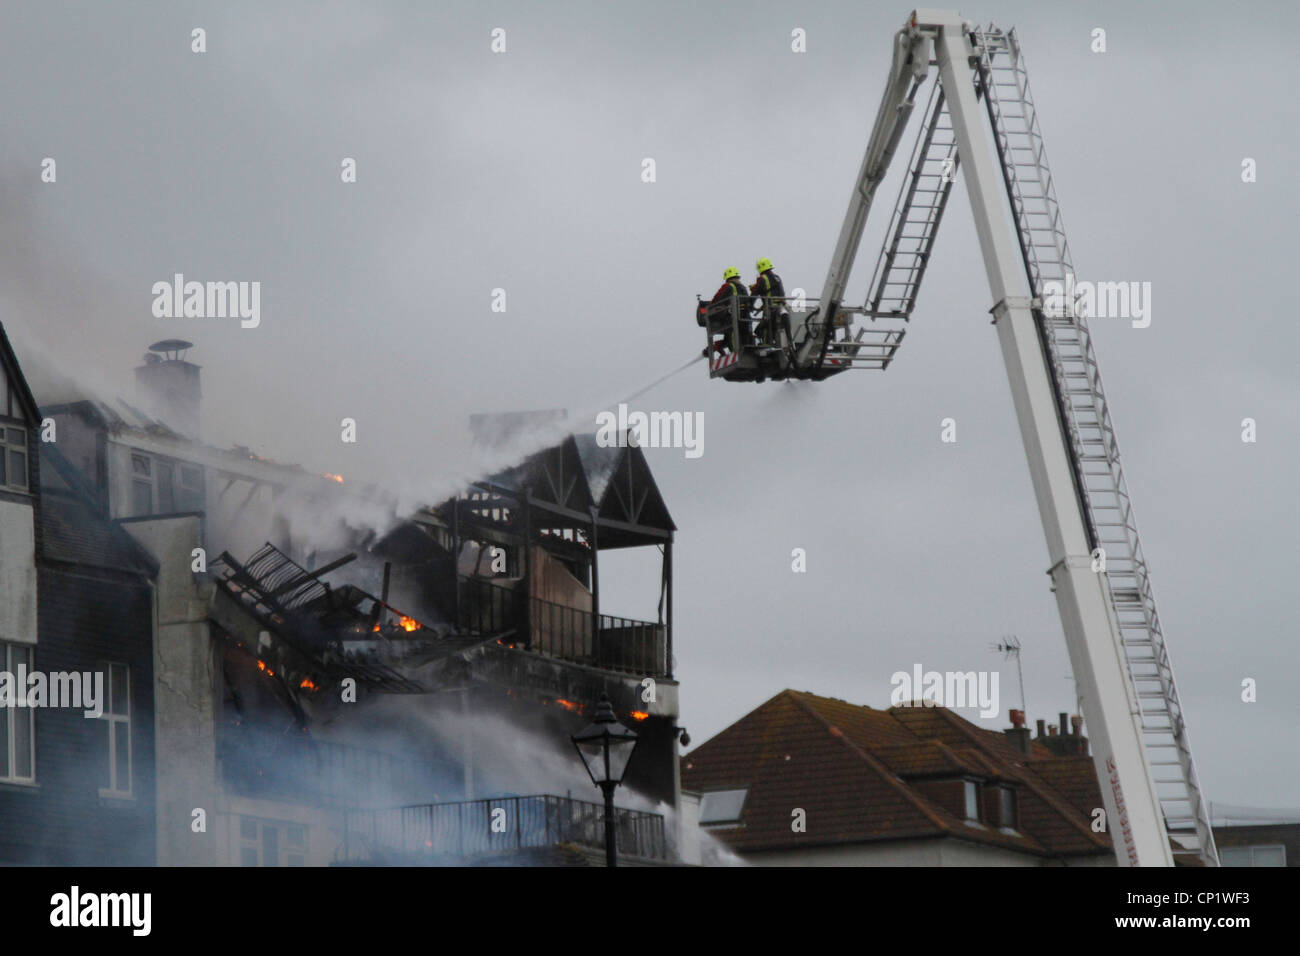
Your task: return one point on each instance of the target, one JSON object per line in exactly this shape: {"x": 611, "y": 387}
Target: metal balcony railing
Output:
{"x": 488, "y": 608}
{"x": 472, "y": 829}
{"x": 618, "y": 644}
{"x": 562, "y": 631}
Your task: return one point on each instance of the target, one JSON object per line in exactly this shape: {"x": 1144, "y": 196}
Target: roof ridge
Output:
{"x": 872, "y": 762}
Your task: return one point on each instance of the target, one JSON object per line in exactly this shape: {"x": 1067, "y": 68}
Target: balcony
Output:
{"x": 484, "y": 831}
{"x": 564, "y": 632}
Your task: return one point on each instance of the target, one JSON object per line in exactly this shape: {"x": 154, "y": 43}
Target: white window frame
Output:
{"x": 15, "y": 714}
{"x": 154, "y": 464}
{"x": 285, "y": 853}
{"x": 731, "y": 821}
{"x": 112, "y": 720}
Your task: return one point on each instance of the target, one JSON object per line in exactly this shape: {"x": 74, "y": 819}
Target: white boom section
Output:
{"x": 909, "y": 68}
{"x": 1133, "y": 812}
{"x": 1042, "y": 388}
{"x": 1085, "y": 413}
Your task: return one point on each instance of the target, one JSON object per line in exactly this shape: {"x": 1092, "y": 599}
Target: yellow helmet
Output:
{"x": 730, "y": 273}
{"x": 763, "y": 265}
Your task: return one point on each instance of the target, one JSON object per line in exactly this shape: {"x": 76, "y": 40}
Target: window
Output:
{"x": 1007, "y": 807}
{"x": 972, "y": 800}
{"x": 271, "y": 843}
{"x": 141, "y": 485}
{"x": 11, "y": 406}
{"x": 722, "y": 806}
{"x": 13, "y": 457}
{"x": 116, "y": 781}
{"x": 159, "y": 486}
{"x": 191, "y": 491}
{"x": 17, "y": 733}
{"x": 1264, "y": 855}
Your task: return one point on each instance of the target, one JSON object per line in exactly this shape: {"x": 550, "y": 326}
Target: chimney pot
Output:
{"x": 1051, "y": 730}
{"x": 1076, "y": 725}
{"x": 1064, "y": 722}
{"x": 1042, "y": 727}
{"x": 1017, "y": 718}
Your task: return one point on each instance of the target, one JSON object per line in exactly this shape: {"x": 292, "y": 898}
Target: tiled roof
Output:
{"x": 72, "y": 531}
{"x": 861, "y": 775}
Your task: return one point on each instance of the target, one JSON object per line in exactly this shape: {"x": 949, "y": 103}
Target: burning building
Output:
{"x": 404, "y": 697}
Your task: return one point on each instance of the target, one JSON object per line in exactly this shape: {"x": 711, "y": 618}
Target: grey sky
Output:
{"x": 522, "y": 171}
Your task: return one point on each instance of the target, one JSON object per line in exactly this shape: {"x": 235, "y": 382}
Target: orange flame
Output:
{"x": 638, "y": 715}
{"x": 333, "y": 477}
{"x": 410, "y": 623}
{"x": 569, "y": 705}
{"x": 261, "y": 666}
{"x": 308, "y": 684}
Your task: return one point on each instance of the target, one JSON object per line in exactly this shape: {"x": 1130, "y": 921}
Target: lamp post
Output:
{"x": 605, "y": 747}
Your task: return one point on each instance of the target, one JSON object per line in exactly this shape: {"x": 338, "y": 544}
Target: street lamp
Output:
{"x": 605, "y": 747}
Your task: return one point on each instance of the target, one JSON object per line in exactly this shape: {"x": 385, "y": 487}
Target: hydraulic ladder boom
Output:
{"x": 1096, "y": 564}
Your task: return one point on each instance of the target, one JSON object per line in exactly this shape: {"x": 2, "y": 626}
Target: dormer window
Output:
{"x": 722, "y": 807}
{"x": 1007, "y": 807}
{"x": 972, "y": 800}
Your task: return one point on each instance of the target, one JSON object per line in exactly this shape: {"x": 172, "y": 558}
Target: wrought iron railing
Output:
{"x": 470, "y": 830}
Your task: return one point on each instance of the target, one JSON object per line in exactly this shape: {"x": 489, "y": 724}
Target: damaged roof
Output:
{"x": 579, "y": 472}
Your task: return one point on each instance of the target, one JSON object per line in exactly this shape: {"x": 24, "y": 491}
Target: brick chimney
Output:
{"x": 1018, "y": 733}
{"x": 167, "y": 386}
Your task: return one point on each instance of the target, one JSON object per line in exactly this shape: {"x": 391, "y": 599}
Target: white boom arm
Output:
{"x": 1134, "y": 816}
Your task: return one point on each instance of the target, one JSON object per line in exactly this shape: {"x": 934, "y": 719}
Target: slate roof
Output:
{"x": 865, "y": 775}
{"x": 72, "y": 528}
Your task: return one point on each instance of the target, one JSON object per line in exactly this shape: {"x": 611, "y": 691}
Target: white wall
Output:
{"x": 17, "y": 573}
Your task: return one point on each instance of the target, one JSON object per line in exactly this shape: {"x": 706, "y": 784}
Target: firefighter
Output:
{"x": 732, "y": 288}
{"x": 769, "y": 287}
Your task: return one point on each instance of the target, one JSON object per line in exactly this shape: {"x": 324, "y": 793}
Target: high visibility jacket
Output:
{"x": 732, "y": 286}
{"x": 768, "y": 285}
